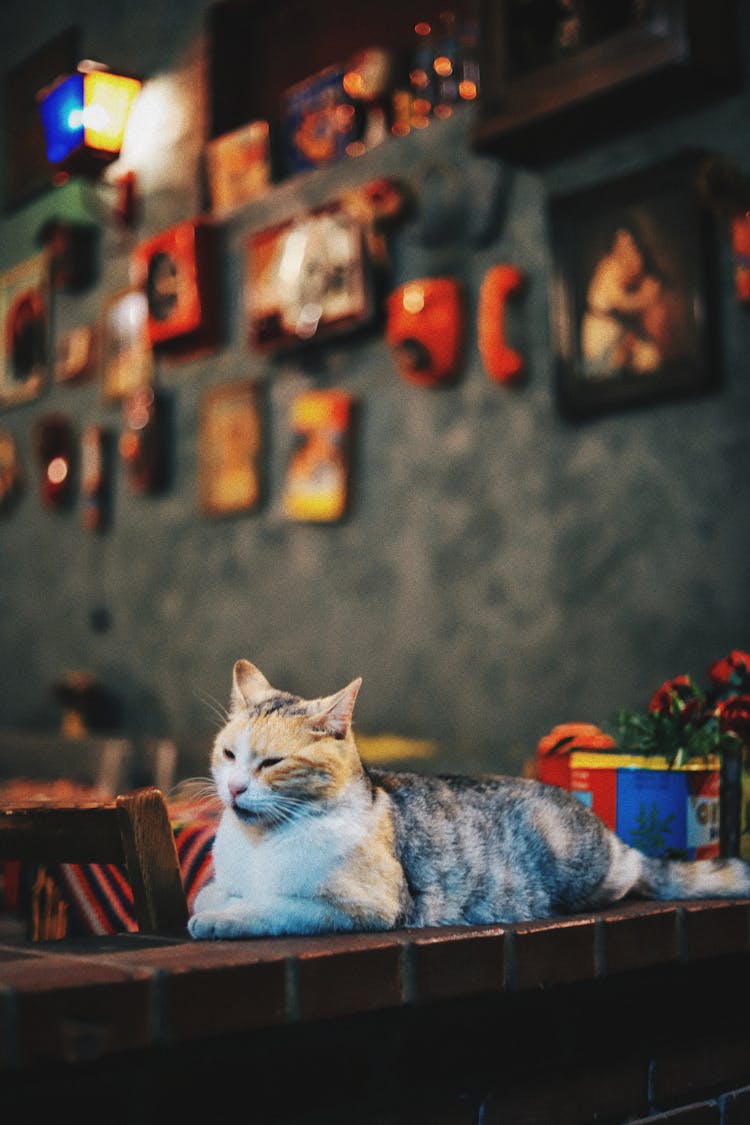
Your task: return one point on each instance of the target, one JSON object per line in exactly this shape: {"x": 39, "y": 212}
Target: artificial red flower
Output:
{"x": 732, "y": 671}
{"x": 734, "y": 716}
{"x": 678, "y": 697}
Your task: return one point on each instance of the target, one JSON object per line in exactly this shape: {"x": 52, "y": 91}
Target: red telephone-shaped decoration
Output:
{"x": 502, "y": 363}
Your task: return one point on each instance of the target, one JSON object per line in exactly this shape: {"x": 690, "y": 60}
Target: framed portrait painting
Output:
{"x": 633, "y": 291}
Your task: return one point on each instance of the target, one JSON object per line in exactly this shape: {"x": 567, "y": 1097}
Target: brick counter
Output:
{"x": 625, "y": 1015}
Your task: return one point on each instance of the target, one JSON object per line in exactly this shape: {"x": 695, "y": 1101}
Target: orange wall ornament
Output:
{"x": 425, "y": 329}
{"x": 502, "y": 363}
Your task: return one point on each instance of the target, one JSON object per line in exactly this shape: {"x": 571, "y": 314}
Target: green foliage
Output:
{"x": 671, "y": 736}
{"x": 650, "y": 837}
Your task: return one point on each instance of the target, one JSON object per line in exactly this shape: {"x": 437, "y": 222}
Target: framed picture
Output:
{"x": 178, "y": 271}
{"x": 24, "y": 306}
{"x": 555, "y": 76}
{"x": 316, "y": 487}
{"x": 229, "y": 448}
{"x": 239, "y": 167}
{"x": 127, "y": 356}
{"x": 76, "y": 355}
{"x": 633, "y": 299}
{"x": 306, "y": 279}
{"x": 318, "y": 121}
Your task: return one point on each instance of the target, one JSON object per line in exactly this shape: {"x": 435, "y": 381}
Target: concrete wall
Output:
{"x": 502, "y": 569}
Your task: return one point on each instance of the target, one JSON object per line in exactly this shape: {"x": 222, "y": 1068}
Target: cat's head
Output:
{"x": 279, "y": 756}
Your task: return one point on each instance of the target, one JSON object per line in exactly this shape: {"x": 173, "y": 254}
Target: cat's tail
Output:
{"x": 702, "y": 878}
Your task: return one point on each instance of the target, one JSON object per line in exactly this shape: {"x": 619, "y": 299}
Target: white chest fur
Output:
{"x": 294, "y": 860}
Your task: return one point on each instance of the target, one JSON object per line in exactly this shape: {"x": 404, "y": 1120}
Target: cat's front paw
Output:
{"x": 209, "y": 925}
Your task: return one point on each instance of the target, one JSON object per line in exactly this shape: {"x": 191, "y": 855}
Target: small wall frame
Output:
{"x": 307, "y": 279}
{"x": 230, "y": 446}
{"x": 24, "y": 336}
{"x": 127, "y": 355}
{"x": 178, "y": 271}
{"x": 317, "y": 483}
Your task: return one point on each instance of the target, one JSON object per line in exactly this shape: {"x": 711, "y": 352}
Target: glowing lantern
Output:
{"x": 84, "y": 117}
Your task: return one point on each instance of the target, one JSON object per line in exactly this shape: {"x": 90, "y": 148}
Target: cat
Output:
{"x": 312, "y": 841}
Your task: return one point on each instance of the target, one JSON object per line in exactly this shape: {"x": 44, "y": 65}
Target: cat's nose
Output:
{"x": 235, "y": 788}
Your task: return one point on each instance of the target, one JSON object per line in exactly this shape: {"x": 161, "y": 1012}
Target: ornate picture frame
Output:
{"x": 633, "y": 290}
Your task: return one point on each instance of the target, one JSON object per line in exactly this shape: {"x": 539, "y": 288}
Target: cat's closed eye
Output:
{"x": 266, "y": 763}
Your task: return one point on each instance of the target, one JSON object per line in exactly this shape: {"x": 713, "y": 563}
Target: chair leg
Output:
{"x": 152, "y": 861}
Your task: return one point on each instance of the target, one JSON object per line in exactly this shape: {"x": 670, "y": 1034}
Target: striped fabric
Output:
{"x": 99, "y": 897}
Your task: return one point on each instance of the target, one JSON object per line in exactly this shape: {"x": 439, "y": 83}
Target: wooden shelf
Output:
{"x": 684, "y": 53}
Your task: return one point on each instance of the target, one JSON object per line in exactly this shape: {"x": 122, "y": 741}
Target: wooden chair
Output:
{"x": 131, "y": 829}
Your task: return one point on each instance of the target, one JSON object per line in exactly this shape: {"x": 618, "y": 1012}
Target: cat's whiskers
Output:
{"x": 281, "y": 811}
{"x": 214, "y": 706}
{"x": 199, "y": 790}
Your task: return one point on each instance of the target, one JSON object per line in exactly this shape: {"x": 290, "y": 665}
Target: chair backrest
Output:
{"x": 131, "y": 829}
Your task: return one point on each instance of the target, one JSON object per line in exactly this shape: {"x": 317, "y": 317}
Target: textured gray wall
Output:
{"x": 502, "y": 570}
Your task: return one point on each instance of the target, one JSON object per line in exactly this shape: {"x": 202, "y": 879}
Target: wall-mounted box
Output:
{"x": 178, "y": 272}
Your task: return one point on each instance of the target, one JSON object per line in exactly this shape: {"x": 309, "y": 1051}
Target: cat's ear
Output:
{"x": 249, "y": 685}
{"x": 334, "y": 714}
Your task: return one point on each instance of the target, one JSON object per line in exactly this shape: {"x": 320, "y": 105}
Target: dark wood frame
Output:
{"x": 131, "y": 829}
{"x": 684, "y": 51}
{"x": 663, "y": 204}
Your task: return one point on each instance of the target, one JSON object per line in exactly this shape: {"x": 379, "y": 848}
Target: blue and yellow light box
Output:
{"x": 84, "y": 117}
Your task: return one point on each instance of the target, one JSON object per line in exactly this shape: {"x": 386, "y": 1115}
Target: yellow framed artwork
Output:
{"x": 229, "y": 448}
